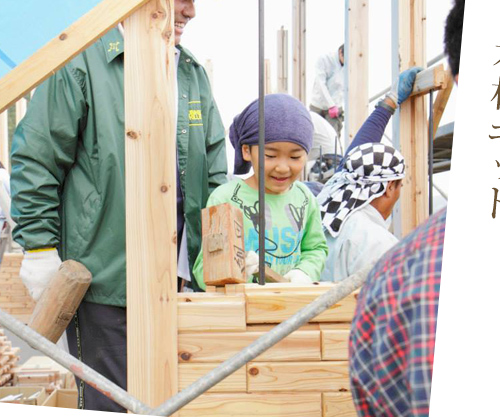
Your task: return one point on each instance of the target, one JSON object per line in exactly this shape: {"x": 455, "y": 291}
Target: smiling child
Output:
{"x": 295, "y": 243}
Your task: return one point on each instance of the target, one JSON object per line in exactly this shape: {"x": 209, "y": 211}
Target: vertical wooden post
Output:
{"x": 357, "y": 66}
{"x": 4, "y": 140}
{"x": 209, "y": 68}
{"x": 151, "y": 203}
{"x": 21, "y": 106}
{"x": 282, "y": 86}
{"x": 299, "y": 50}
{"x": 413, "y": 118}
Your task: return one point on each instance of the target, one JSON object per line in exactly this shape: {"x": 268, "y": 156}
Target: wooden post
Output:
{"x": 299, "y": 50}
{"x": 441, "y": 101}
{"x": 357, "y": 67}
{"x": 413, "y": 118}
{"x": 4, "y": 140}
{"x": 282, "y": 86}
{"x": 151, "y": 203}
{"x": 21, "y": 106}
{"x": 267, "y": 77}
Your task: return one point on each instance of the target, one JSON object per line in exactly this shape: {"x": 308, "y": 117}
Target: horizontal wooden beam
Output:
{"x": 191, "y": 372}
{"x": 57, "y": 52}
{"x": 434, "y": 78}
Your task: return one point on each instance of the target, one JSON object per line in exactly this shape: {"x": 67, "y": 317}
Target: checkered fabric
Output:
{"x": 391, "y": 346}
{"x": 367, "y": 170}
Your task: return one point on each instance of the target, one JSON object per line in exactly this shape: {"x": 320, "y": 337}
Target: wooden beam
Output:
{"x": 434, "y": 78}
{"x": 151, "y": 224}
{"x": 267, "y": 77}
{"x": 255, "y": 405}
{"x": 57, "y": 52}
{"x": 335, "y": 341}
{"x": 297, "y": 376}
{"x": 4, "y": 140}
{"x": 282, "y": 85}
{"x": 191, "y": 372}
{"x": 299, "y": 50}
{"x": 413, "y": 118}
{"x": 21, "y": 107}
{"x": 357, "y": 67}
{"x": 441, "y": 101}
{"x": 338, "y": 404}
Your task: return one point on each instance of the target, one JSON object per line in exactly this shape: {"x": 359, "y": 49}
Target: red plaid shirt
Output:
{"x": 391, "y": 347}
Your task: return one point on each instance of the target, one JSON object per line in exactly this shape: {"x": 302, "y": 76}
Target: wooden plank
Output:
{"x": 4, "y": 142}
{"x": 335, "y": 341}
{"x": 357, "y": 67}
{"x": 211, "y": 313}
{"x": 21, "y": 107}
{"x": 274, "y": 307}
{"x": 254, "y": 405}
{"x": 338, "y": 404}
{"x": 268, "y": 89}
{"x": 223, "y": 245}
{"x": 218, "y": 347}
{"x": 297, "y": 376}
{"x": 413, "y": 118}
{"x": 191, "y": 372}
{"x": 434, "y": 78}
{"x": 441, "y": 101}
{"x": 282, "y": 72}
{"x": 57, "y": 52}
{"x": 150, "y": 156}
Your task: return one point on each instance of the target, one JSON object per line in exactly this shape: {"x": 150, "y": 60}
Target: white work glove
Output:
{"x": 298, "y": 277}
{"x": 251, "y": 263}
{"x": 403, "y": 86}
{"x": 37, "y": 268}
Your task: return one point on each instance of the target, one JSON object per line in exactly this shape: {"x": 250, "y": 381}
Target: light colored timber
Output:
{"x": 21, "y": 107}
{"x": 297, "y": 376}
{"x": 191, "y": 372}
{"x": 434, "y": 78}
{"x": 441, "y": 101}
{"x": 218, "y": 347}
{"x": 413, "y": 118}
{"x": 335, "y": 342}
{"x": 60, "y": 300}
{"x": 357, "y": 66}
{"x": 223, "y": 245}
{"x": 299, "y": 49}
{"x": 338, "y": 404}
{"x": 57, "y": 52}
{"x": 211, "y": 313}
{"x": 151, "y": 224}
{"x": 274, "y": 307}
{"x": 4, "y": 140}
{"x": 255, "y": 405}
{"x": 282, "y": 72}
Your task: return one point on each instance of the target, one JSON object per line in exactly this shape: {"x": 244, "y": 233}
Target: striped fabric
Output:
{"x": 391, "y": 346}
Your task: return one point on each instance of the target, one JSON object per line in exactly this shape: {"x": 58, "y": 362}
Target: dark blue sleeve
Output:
{"x": 373, "y": 128}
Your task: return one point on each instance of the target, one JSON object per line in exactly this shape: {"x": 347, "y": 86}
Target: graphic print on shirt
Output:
{"x": 282, "y": 238}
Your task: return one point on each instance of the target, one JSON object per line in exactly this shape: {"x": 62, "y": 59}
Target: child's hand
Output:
{"x": 298, "y": 277}
{"x": 251, "y": 263}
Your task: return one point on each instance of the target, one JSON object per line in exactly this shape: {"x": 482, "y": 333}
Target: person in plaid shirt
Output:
{"x": 391, "y": 346}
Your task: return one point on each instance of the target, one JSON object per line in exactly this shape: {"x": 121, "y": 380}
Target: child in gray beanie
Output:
{"x": 295, "y": 242}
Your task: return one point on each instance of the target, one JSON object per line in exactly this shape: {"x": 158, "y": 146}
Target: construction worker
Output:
{"x": 357, "y": 201}
{"x": 68, "y": 188}
{"x": 391, "y": 346}
{"x": 328, "y": 89}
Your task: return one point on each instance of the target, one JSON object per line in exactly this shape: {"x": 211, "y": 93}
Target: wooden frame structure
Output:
{"x": 156, "y": 313}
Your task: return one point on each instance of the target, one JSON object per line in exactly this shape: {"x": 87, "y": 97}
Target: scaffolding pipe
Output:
{"x": 278, "y": 333}
{"x": 90, "y": 376}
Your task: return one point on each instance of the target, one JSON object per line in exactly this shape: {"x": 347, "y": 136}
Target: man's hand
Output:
{"x": 298, "y": 277}
{"x": 403, "y": 86}
{"x": 334, "y": 112}
{"x": 251, "y": 263}
{"x": 37, "y": 268}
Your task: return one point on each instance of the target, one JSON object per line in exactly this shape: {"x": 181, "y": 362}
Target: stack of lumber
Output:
{"x": 14, "y": 297}
{"x": 8, "y": 360}
{"x": 43, "y": 371}
{"x": 306, "y": 374}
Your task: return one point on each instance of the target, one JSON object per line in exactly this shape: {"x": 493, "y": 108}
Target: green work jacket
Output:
{"x": 68, "y": 166}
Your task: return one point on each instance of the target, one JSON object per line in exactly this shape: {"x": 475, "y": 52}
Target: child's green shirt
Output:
{"x": 294, "y": 235}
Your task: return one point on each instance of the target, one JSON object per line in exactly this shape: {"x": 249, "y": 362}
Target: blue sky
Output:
{"x": 27, "y": 25}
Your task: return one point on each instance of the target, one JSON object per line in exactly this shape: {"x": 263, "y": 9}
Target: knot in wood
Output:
{"x": 158, "y": 14}
{"x": 63, "y": 36}
{"x": 174, "y": 238}
{"x": 185, "y": 356}
{"x": 253, "y": 371}
{"x": 166, "y": 35}
{"x": 164, "y": 188}
{"x": 342, "y": 390}
{"x": 131, "y": 134}
{"x": 188, "y": 300}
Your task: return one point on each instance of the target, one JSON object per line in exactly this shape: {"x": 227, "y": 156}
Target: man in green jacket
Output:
{"x": 68, "y": 187}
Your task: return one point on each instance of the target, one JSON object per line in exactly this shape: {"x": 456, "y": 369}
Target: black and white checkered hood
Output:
{"x": 367, "y": 170}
